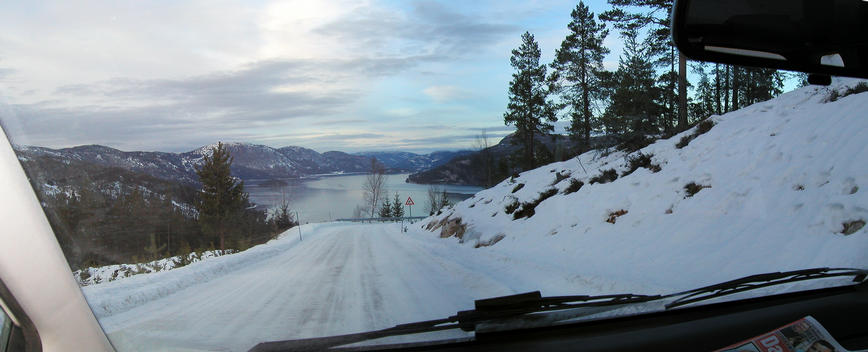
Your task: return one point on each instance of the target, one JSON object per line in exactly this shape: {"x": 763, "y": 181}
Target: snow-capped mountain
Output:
{"x": 250, "y": 161}
{"x": 412, "y": 162}
{"x": 170, "y": 166}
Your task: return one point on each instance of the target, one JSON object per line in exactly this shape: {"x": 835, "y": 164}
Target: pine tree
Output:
{"x": 529, "y": 108}
{"x": 634, "y": 107}
{"x": 750, "y": 85}
{"x": 655, "y": 17}
{"x": 397, "y": 207}
{"x": 222, "y": 197}
{"x": 386, "y": 209}
{"x": 282, "y": 218}
{"x": 577, "y": 68}
{"x": 704, "y": 104}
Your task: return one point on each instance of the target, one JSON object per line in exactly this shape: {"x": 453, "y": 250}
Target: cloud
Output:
{"x": 265, "y": 94}
{"x": 339, "y": 74}
{"x": 428, "y": 27}
{"x": 443, "y": 94}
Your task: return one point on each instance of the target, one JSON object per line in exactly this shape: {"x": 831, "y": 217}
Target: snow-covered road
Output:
{"x": 342, "y": 278}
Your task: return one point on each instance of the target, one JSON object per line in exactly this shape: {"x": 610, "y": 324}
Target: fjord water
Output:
{"x": 328, "y": 198}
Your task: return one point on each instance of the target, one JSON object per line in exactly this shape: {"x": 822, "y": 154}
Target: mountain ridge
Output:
{"x": 251, "y": 161}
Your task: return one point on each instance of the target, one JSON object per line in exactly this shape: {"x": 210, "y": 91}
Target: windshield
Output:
{"x": 224, "y": 174}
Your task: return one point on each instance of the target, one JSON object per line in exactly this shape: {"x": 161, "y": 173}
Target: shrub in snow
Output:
{"x": 490, "y": 241}
{"x": 575, "y": 186}
{"x": 605, "y": 177}
{"x": 614, "y": 215}
{"x": 853, "y": 226}
{"x": 701, "y": 128}
{"x": 859, "y": 88}
{"x": 528, "y": 209}
{"x": 512, "y": 206}
{"x": 518, "y": 187}
{"x": 560, "y": 177}
{"x": 641, "y": 160}
{"x": 636, "y": 142}
{"x": 693, "y": 188}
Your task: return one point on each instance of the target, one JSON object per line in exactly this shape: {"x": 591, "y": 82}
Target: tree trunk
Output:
{"x": 726, "y": 90}
{"x": 531, "y": 163}
{"x": 682, "y": 92}
{"x": 586, "y": 101}
{"x": 670, "y": 97}
{"x": 717, "y": 88}
{"x": 736, "y": 78}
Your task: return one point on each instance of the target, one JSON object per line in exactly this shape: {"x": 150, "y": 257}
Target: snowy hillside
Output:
{"x": 777, "y": 186}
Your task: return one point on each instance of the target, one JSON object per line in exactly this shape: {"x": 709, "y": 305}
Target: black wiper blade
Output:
{"x": 509, "y": 310}
{"x": 508, "y": 307}
{"x": 486, "y": 310}
{"x": 761, "y": 280}
{"x": 323, "y": 343}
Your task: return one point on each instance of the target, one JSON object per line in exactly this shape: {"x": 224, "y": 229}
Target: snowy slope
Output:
{"x": 784, "y": 175}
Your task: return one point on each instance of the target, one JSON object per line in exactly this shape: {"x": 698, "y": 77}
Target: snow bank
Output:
{"x": 96, "y": 275}
{"x": 117, "y": 296}
{"x": 777, "y": 183}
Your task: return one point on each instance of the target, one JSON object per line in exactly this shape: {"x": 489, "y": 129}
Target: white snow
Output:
{"x": 96, "y": 275}
{"x": 784, "y": 176}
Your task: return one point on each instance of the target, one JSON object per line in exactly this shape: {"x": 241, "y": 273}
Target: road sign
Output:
{"x": 410, "y": 204}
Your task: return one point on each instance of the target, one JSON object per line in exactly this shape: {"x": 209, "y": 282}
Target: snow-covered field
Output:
{"x": 784, "y": 176}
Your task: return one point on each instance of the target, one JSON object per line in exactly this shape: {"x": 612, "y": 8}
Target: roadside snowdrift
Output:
{"x": 777, "y": 184}
{"x": 122, "y": 294}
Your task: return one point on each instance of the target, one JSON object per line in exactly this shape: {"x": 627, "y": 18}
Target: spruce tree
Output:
{"x": 705, "y": 97}
{"x": 529, "y": 108}
{"x": 386, "y": 209}
{"x": 634, "y": 107}
{"x": 654, "y": 16}
{"x": 397, "y": 207}
{"x": 222, "y": 197}
{"x": 577, "y": 68}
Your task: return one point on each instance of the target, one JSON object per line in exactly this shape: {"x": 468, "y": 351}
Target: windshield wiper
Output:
{"x": 486, "y": 310}
{"x": 521, "y": 310}
{"x": 761, "y": 280}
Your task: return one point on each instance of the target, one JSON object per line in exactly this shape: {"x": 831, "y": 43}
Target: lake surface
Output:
{"x": 335, "y": 197}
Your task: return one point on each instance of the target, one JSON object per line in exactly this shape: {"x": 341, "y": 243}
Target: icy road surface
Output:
{"x": 341, "y": 278}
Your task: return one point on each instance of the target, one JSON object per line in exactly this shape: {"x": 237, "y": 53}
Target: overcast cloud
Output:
{"x": 328, "y": 75}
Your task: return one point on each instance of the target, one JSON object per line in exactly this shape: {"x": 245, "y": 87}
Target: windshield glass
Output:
{"x": 224, "y": 174}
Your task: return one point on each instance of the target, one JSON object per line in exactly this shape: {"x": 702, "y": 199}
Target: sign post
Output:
{"x": 298, "y": 220}
{"x": 410, "y": 204}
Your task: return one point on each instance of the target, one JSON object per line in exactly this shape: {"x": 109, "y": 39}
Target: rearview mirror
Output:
{"x": 827, "y": 37}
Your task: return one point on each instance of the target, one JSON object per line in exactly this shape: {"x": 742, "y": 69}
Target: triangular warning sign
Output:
{"x": 409, "y": 201}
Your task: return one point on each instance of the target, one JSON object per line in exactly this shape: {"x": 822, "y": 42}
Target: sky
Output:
{"x": 341, "y": 75}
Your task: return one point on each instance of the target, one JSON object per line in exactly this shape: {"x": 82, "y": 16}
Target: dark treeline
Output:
{"x": 105, "y": 216}
{"x": 648, "y": 96}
